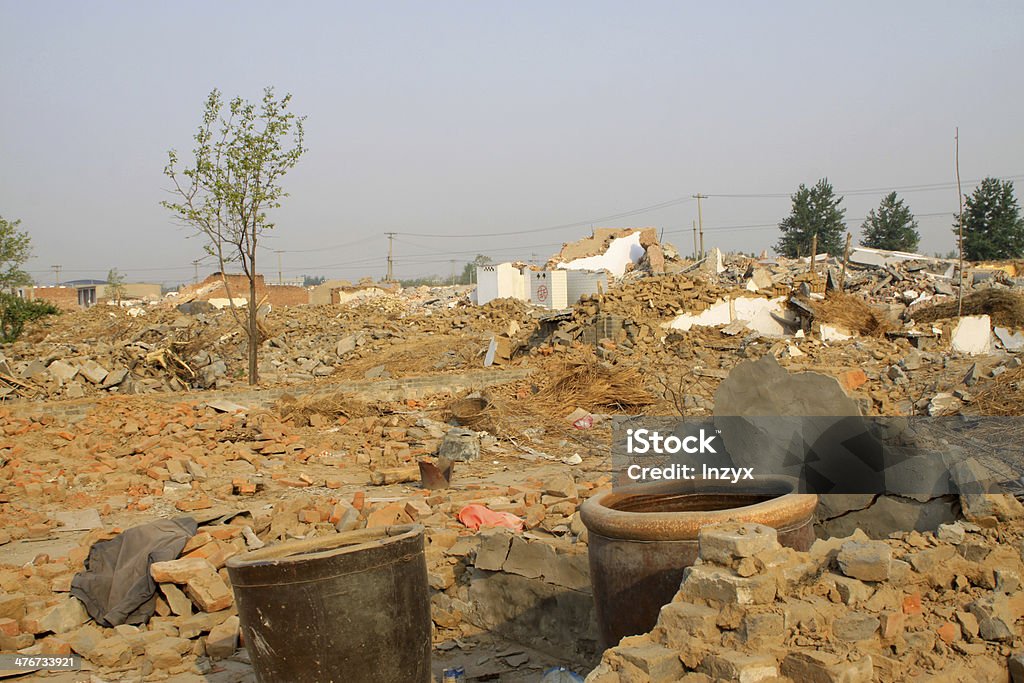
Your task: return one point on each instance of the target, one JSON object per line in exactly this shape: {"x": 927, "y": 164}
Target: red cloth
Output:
{"x": 477, "y": 517}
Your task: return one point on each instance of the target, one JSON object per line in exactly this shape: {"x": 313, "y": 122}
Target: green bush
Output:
{"x": 15, "y": 312}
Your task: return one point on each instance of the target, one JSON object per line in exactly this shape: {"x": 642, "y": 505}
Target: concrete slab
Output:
{"x": 834, "y": 333}
{"x": 973, "y": 335}
{"x": 1011, "y": 340}
{"x": 755, "y": 311}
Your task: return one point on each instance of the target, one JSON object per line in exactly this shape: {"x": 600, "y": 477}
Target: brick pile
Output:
{"x": 916, "y": 607}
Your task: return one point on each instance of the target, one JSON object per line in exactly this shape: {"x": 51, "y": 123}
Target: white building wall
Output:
{"x": 503, "y": 281}
{"x": 548, "y": 289}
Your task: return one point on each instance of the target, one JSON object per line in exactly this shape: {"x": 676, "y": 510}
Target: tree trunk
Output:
{"x": 254, "y": 335}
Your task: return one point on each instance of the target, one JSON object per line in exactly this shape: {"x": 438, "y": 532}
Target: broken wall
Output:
{"x": 501, "y": 281}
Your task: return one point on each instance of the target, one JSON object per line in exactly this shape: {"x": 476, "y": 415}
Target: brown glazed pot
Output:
{"x": 641, "y": 538}
{"x": 348, "y": 608}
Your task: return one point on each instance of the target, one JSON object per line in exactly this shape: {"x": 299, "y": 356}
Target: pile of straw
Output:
{"x": 851, "y": 312}
{"x": 1005, "y": 308}
{"x": 588, "y": 383}
{"x": 332, "y": 405}
{"x": 1004, "y": 395}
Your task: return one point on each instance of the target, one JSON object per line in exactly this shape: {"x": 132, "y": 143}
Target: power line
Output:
{"x": 762, "y": 226}
{"x": 651, "y": 207}
{"x": 625, "y": 214}
{"x": 927, "y": 187}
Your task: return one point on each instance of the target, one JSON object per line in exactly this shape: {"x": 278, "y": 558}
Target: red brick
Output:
{"x": 853, "y": 379}
{"x": 9, "y": 627}
{"x": 912, "y": 604}
{"x": 949, "y": 632}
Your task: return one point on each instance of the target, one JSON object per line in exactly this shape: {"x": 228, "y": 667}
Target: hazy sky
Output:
{"x": 466, "y": 119}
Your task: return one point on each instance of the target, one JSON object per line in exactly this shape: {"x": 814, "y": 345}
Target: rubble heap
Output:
{"x": 850, "y": 610}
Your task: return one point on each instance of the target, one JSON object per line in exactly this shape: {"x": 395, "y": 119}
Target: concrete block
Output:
{"x": 721, "y": 585}
{"x": 727, "y": 542}
{"x": 685, "y": 621}
{"x": 736, "y": 667}
{"x": 493, "y": 550}
{"x": 66, "y": 615}
{"x": 855, "y": 626}
{"x": 661, "y": 664}
{"x": 973, "y": 335}
{"x": 763, "y": 628}
{"x": 181, "y": 570}
{"x": 223, "y": 639}
{"x": 12, "y": 605}
{"x": 167, "y": 652}
{"x": 865, "y": 560}
{"x": 176, "y": 599}
{"x": 93, "y": 371}
{"x": 530, "y": 559}
{"x": 951, "y": 533}
{"x": 561, "y": 486}
{"x": 814, "y": 666}
{"x": 209, "y": 592}
{"x": 112, "y": 651}
{"x": 62, "y": 371}
{"x": 346, "y": 345}
{"x": 852, "y": 591}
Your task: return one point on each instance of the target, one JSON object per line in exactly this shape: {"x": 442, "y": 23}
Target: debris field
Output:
{"x": 115, "y": 417}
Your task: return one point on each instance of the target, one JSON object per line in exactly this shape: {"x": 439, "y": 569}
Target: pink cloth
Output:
{"x": 477, "y": 517}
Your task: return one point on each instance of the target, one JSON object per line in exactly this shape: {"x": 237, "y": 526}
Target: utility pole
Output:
{"x": 195, "y": 277}
{"x": 695, "y": 249}
{"x": 846, "y": 259}
{"x": 56, "y": 270}
{"x": 700, "y": 220}
{"x": 280, "y": 278}
{"x": 814, "y": 252}
{"x": 391, "y": 240}
{"x": 960, "y": 221}
{"x": 452, "y": 261}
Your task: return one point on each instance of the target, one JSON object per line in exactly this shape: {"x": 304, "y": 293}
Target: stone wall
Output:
{"x": 530, "y": 591}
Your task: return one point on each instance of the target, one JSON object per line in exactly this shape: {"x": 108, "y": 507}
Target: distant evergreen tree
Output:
{"x": 815, "y": 212}
{"x": 993, "y": 227}
{"x": 892, "y": 227}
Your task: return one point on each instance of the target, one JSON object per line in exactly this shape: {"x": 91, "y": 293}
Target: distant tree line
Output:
{"x": 992, "y": 224}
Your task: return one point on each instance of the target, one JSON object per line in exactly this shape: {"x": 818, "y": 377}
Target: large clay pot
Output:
{"x": 641, "y": 538}
{"x": 351, "y": 608}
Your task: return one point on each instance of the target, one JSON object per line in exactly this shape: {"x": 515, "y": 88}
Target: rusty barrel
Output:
{"x": 642, "y": 537}
{"x": 350, "y": 608}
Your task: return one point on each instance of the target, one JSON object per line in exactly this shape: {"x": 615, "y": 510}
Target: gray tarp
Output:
{"x": 116, "y": 587}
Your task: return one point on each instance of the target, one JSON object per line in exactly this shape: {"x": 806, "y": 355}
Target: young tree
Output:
{"x": 241, "y": 156}
{"x": 993, "y": 227}
{"x": 815, "y": 212}
{"x": 115, "y": 285}
{"x": 468, "y": 276}
{"x": 892, "y": 227}
{"x": 15, "y": 249}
